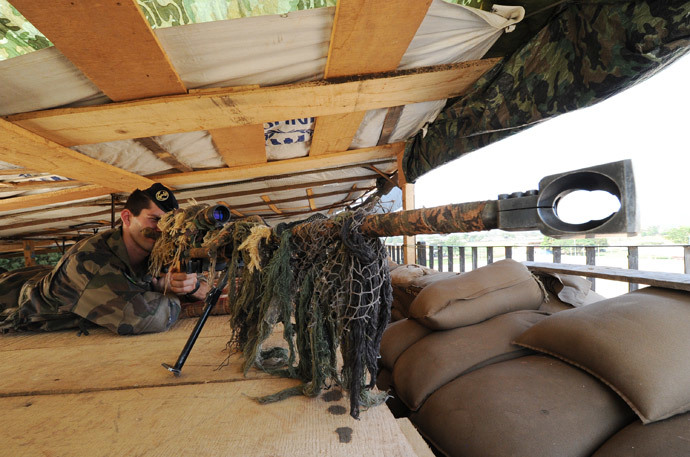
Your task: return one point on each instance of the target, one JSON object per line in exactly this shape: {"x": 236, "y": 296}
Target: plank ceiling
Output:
{"x": 368, "y": 40}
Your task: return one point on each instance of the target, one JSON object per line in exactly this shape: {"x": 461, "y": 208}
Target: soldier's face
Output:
{"x": 148, "y": 217}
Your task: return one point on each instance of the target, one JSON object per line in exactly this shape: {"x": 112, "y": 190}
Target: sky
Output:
{"x": 649, "y": 123}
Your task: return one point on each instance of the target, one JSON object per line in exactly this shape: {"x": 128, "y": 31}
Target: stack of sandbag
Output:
{"x": 408, "y": 281}
{"x": 482, "y": 371}
{"x": 457, "y": 325}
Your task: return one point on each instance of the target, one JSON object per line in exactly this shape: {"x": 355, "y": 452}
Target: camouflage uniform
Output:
{"x": 94, "y": 281}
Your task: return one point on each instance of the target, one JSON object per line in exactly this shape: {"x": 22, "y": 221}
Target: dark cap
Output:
{"x": 162, "y": 197}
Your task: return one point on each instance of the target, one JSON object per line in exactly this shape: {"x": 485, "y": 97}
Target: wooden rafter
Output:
{"x": 368, "y": 36}
{"x": 389, "y": 124}
{"x": 217, "y": 109}
{"x": 161, "y": 153}
{"x": 36, "y": 185}
{"x": 49, "y": 198}
{"x": 282, "y": 166}
{"x": 310, "y": 198}
{"x": 134, "y": 66}
{"x": 273, "y": 207}
{"x": 21, "y": 147}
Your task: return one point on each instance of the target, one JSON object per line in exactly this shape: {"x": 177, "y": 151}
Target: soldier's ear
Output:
{"x": 126, "y": 216}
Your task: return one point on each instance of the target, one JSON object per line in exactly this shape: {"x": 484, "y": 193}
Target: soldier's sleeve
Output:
{"x": 113, "y": 301}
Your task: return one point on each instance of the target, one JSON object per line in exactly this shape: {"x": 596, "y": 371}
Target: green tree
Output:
{"x": 678, "y": 235}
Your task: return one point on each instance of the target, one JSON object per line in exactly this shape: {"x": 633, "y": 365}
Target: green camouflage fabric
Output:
{"x": 94, "y": 281}
{"x": 587, "y": 52}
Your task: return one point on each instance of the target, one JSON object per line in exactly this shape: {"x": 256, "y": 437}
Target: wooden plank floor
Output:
{"x": 106, "y": 395}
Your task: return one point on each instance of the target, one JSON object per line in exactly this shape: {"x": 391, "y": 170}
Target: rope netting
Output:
{"x": 325, "y": 282}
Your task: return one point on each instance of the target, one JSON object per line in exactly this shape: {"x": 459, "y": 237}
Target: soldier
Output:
{"x": 103, "y": 279}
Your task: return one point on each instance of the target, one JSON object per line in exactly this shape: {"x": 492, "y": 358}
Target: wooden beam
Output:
{"x": 199, "y": 111}
{"x": 29, "y": 254}
{"x": 34, "y": 185}
{"x": 310, "y": 197}
{"x": 21, "y": 147}
{"x": 653, "y": 278}
{"x": 153, "y": 146}
{"x": 281, "y": 166}
{"x": 408, "y": 203}
{"x": 368, "y": 36}
{"x": 110, "y": 42}
{"x": 389, "y": 124}
{"x": 334, "y": 133}
{"x": 371, "y": 36}
{"x": 50, "y": 198}
{"x": 273, "y": 207}
{"x": 242, "y": 145}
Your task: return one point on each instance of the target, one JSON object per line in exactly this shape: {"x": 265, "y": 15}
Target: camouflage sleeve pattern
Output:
{"x": 113, "y": 301}
{"x": 588, "y": 52}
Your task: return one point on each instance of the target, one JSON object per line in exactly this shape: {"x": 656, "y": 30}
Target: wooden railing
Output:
{"x": 466, "y": 258}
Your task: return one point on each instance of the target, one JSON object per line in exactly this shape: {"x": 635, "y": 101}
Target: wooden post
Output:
{"x": 590, "y": 256}
{"x": 461, "y": 258}
{"x": 633, "y": 264}
{"x": 29, "y": 254}
{"x": 431, "y": 257}
{"x": 475, "y": 258}
{"x": 489, "y": 255}
{"x": 450, "y": 258}
{"x": 556, "y": 254}
{"x": 408, "y": 204}
{"x": 422, "y": 253}
{"x": 509, "y": 252}
{"x": 530, "y": 253}
{"x": 686, "y": 250}
{"x": 440, "y": 258}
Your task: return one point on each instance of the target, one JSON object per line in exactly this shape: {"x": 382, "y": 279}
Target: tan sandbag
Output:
{"x": 552, "y": 304}
{"x": 476, "y": 296}
{"x": 534, "y": 406}
{"x": 397, "y": 337}
{"x": 637, "y": 343}
{"x": 442, "y": 356}
{"x": 573, "y": 290}
{"x": 405, "y": 274}
{"x": 667, "y": 438}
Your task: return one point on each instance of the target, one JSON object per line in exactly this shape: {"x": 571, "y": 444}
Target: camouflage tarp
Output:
{"x": 588, "y": 52}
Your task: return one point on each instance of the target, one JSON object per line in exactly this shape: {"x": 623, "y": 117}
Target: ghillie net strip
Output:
{"x": 328, "y": 285}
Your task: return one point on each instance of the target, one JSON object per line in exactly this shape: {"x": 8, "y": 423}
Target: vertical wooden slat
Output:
{"x": 431, "y": 257}
{"x": 530, "y": 253}
{"x": 440, "y": 258}
{"x": 686, "y": 257}
{"x": 556, "y": 254}
{"x": 461, "y": 258}
{"x": 509, "y": 252}
{"x": 489, "y": 255}
{"x": 29, "y": 253}
{"x": 633, "y": 264}
{"x": 590, "y": 257}
{"x": 450, "y": 258}
{"x": 475, "y": 257}
{"x": 408, "y": 203}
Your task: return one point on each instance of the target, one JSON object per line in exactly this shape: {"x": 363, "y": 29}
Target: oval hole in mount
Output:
{"x": 583, "y": 206}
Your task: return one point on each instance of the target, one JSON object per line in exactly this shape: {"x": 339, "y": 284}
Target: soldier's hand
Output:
{"x": 182, "y": 284}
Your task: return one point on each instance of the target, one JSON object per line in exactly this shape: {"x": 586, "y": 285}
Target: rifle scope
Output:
{"x": 215, "y": 215}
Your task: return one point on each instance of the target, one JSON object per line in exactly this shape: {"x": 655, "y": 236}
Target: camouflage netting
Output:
{"x": 589, "y": 51}
{"x": 326, "y": 283}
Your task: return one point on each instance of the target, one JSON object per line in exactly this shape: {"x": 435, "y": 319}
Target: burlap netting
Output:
{"x": 636, "y": 343}
{"x": 442, "y": 356}
{"x": 476, "y": 296}
{"x": 667, "y": 438}
{"x": 534, "y": 406}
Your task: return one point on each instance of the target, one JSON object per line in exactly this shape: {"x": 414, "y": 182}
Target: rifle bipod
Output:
{"x": 211, "y": 300}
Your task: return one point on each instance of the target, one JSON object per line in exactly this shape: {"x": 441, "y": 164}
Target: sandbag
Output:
{"x": 535, "y": 406}
{"x": 476, "y": 296}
